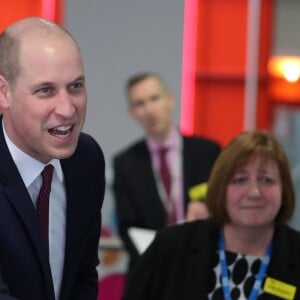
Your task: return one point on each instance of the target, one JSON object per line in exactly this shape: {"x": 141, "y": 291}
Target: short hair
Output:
{"x": 9, "y": 57}
{"x": 236, "y": 155}
{"x": 139, "y": 77}
{"x": 12, "y": 37}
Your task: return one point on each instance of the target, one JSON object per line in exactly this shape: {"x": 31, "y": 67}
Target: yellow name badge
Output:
{"x": 198, "y": 192}
{"x": 279, "y": 289}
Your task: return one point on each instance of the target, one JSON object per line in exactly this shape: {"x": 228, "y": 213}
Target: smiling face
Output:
{"x": 151, "y": 105}
{"x": 254, "y": 194}
{"x": 44, "y": 110}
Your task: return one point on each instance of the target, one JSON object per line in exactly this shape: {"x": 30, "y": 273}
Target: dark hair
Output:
{"x": 139, "y": 77}
{"x": 237, "y": 154}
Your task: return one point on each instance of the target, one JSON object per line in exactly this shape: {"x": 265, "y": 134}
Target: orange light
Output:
{"x": 284, "y": 81}
{"x": 287, "y": 67}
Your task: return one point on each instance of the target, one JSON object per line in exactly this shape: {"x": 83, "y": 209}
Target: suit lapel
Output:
{"x": 146, "y": 173}
{"x": 73, "y": 219}
{"x": 78, "y": 193}
{"x": 17, "y": 194}
{"x": 145, "y": 167}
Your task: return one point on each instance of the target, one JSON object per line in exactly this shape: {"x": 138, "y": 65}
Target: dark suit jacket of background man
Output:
{"x": 23, "y": 258}
{"x": 179, "y": 264}
{"x": 138, "y": 202}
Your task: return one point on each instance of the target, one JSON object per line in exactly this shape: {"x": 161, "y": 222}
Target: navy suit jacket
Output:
{"x": 24, "y": 267}
{"x": 179, "y": 263}
{"x": 138, "y": 202}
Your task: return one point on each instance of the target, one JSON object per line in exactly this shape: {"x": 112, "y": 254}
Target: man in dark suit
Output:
{"x": 46, "y": 253}
{"x": 142, "y": 197}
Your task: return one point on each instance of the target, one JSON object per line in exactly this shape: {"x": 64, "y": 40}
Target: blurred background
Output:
{"x": 203, "y": 49}
{"x": 232, "y": 65}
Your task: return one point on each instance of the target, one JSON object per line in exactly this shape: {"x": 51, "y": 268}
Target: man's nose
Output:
{"x": 64, "y": 106}
{"x": 149, "y": 107}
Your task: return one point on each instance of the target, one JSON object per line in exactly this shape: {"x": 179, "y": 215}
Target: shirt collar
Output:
{"x": 171, "y": 142}
{"x": 23, "y": 161}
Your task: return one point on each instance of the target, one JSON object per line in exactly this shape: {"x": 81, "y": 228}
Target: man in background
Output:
{"x": 51, "y": 174}
{"x": 153, "y": 176}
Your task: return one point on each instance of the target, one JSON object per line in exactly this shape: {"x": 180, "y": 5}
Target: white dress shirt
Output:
{"x": 30, "y": 170}
{"x": 174, "y": 161}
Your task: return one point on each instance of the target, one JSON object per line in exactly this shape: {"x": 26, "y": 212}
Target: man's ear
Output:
{"x": 171, "y": 98}
{"x": 131, "y": 112}
{"x": 4, "y": 90}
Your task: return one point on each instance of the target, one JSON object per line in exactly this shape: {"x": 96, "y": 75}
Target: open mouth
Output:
{"x": 61, "y": 132}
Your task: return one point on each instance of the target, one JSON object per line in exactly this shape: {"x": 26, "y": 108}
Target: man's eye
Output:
{"x": 76, "y": 87}
{"x": 155, "y": 98}
{"x": 45, "y": 90}
{"x": 137, "y": 104}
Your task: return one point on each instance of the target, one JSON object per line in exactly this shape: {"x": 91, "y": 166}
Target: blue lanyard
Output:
{"x": 224, "y": 273}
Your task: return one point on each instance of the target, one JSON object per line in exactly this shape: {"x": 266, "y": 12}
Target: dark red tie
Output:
{"x": 43, "y": 201}
{"x": 166, "y": 179}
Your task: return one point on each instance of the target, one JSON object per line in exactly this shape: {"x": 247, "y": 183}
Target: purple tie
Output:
{"x": 43, "y": 201}
{"x": 166, "y": 179}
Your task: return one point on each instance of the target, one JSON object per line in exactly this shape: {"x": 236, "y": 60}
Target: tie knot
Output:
{"x": 163, "y": 151}
{"x": 47, "y": 174}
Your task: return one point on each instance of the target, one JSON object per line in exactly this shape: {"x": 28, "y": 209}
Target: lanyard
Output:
{"x": 224, "y": 273}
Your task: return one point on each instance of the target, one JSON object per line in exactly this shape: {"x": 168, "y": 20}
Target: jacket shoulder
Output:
{"x": 88, "y": 152}
{"x": 285, "y": 232}
{"x": 132, "y": 150}
{"x": 190, "y": 234}
{"x": 196, "y": 141}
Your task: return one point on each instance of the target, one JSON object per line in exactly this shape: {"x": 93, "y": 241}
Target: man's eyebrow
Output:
{"x": 46, "y": 83}
{"x": 80, "y": 78}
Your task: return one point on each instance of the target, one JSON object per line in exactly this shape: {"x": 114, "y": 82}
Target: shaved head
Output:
{"x": 11, "y": 42}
